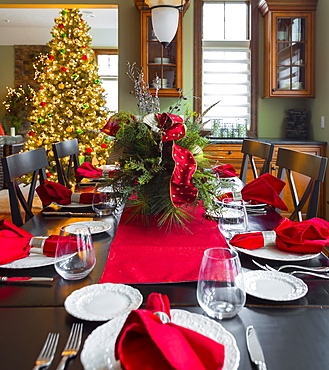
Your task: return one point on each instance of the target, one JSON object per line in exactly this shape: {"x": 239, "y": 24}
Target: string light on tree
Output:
{"x": 70, "y": 102}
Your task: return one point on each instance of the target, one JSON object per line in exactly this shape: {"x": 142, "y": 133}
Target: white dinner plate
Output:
{"x": 94, "y": 226}
{"x": 273, "y": 253}
{"x": 102, "y": 302}
{"x": 274, "y": 285}
{"x": 98, "y": 348}
{"x": 33, "y": 260}
{"x": 73, "y": 205}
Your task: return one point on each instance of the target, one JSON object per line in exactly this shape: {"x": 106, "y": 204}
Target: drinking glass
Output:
{"x": 75, "y": 255}
{"x": 220, "y": 290}
{"x": 233, "y": 218}
{"x": 105, "y": 200}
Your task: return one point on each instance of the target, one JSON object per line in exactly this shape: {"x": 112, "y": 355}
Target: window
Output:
{"x": 224, "y": 62}
{"x": 107, "y": 60}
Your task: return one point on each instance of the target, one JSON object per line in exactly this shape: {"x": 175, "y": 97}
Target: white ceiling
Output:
{"x": 27, "y": 25}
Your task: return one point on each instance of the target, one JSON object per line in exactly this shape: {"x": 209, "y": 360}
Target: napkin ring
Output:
{"x": 163, "y": 317}
{"x": 75, "y": 198}
{"x": 37, "y": 243}
{"x": 269, "y": 238}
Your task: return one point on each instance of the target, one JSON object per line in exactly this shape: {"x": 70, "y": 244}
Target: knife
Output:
{"x": 69, "y": 214}
{"x": 7, "y": 279}
{"x": 254, "y": 348}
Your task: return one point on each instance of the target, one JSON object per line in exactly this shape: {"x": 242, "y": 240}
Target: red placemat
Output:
{"x": 141, "y": 254}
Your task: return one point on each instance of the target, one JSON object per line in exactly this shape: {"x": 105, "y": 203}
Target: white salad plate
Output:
{"x": 94, "y": 226}
{"x": 273, "y": 253}
{"x": 102, "y": 302}
{"x": 274, "y": 285}
{"x": 98, "y": 350}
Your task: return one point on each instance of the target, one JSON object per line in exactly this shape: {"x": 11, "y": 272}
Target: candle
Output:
{"x": 12, "y": 131}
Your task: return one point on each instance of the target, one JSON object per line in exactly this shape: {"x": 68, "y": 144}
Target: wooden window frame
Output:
{"x": 254, "y": 80}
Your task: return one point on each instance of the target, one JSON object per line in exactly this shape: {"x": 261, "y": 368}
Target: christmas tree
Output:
{"x": 70, "y": 102}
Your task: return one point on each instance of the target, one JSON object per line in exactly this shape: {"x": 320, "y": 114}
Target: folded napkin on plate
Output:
{"x": 309, "y": 236}
{"x": 87, "y": 170}
{"x": 54, "y": 192}
{"x": 224, "y": 171}
{"x": 16, "y": 243}
{"x": 144, "y": 342}
{"x": 265, "y": 189}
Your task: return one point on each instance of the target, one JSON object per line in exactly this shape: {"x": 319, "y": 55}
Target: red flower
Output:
{"x": 51, "y": 57}
{"x": 43, "y": 104}
{"x": 84, "y": 57}
{"x": 103, "y": 145}
{"x": 64, "y": 69}
{"x": 61, "y": 25}
{"x": 41, "y": 88}
{"x": 31, "y": 133}
{"x": 89, "y": 150}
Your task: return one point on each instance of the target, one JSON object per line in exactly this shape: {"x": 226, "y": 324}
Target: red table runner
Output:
{"x": 141, "y": 254}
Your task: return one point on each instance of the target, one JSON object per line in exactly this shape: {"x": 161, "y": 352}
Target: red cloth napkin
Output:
{"x": 15, "y": 243}
{"x": 224, "y": 171}
{"x": 309, "y": 236}
{"x": 87, "y": 170}
{"x": 265, "y": 189}
{"x": 54, "y": 192}
{"x": 146, "y": 343}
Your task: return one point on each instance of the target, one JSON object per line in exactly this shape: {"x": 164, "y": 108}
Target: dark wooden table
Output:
{"x": 294, "y": 335}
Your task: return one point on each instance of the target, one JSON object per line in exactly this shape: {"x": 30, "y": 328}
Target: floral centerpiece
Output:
{"x": 163, "y": 168}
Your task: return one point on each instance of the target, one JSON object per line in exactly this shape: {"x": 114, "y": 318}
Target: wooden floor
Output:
{"x": 5, "y": 213}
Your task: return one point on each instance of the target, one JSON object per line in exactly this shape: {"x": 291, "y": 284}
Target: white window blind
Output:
{"x": 226, "y": 62}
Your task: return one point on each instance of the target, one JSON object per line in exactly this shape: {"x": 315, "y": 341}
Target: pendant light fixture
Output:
{"x": 165, "y": 16}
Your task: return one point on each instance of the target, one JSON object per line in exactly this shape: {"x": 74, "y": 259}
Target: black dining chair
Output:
{"x": 67, "y": 160}
{"x": 290, "y": 163}
{"x": 32, "y": 162}
{"x": 260, "y": 150}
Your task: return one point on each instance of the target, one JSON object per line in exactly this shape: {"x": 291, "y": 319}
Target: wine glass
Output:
{"x": 105, "y": 200}
{"x": 75, "y": 255}
{"x": 220, "y": 289}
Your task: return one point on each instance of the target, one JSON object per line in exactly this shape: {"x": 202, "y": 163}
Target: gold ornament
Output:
{"x": 51, "y": 154}
{"x": 69, "y": 129}
{"x": 61, "y": 85}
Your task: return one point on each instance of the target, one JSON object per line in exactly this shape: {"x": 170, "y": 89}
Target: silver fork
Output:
{"x": 72, "y": 345}
{"x": 296, "y": 272}
{"x": 48, "y": 351}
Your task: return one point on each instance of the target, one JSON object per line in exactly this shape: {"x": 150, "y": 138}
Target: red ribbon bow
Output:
{"x": 182, "y": 190}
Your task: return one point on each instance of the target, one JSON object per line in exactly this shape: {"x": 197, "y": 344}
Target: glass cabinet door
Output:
{"x": 292, "y": 71}
{"x": 158, "y": 61}
{"x": 291, "y": 56}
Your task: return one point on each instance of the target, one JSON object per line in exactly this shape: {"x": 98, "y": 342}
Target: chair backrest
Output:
{"x": 17, "y": 165}
{"x": 251, "y": 149}
{"x": 70, "y": 149}
{"x": 310, "y": 165}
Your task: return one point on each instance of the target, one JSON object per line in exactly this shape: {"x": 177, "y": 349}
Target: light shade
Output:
{"x": 165, "y": 16}
{"x": 165, "y": 23}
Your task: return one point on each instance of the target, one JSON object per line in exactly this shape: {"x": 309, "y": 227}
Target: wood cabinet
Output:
{"x": 289, "y": 50}
{"x": 156, "y": 60}
{"x": 231, "y": 153}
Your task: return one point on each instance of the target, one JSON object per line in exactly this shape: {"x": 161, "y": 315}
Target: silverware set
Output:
{"x": 70, "y": 350}
{"x": 320, "y": 272}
